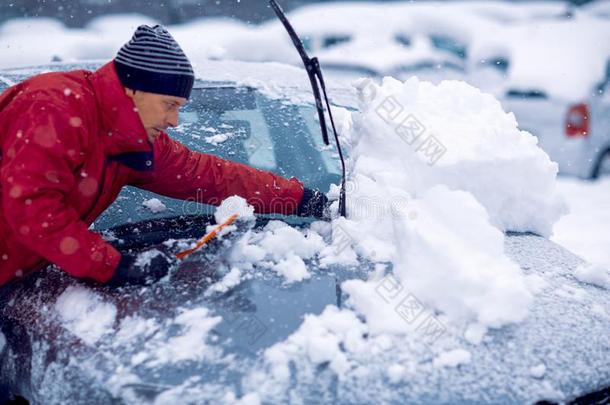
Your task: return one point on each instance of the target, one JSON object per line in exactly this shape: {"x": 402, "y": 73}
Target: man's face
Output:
{"x": 157, "y": 111}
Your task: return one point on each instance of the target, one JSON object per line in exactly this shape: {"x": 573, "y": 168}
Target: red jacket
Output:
{"x": 62, "y": 137}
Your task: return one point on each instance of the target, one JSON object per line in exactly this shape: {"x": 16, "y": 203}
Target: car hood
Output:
{"x": 181, "y": 334}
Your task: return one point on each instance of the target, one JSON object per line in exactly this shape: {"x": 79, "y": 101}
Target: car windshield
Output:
{"x": 243, "y": 125}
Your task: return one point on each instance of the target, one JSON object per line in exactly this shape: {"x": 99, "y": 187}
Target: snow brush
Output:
{"x": 312, "y": 66}
{"x": 207, "y": 237}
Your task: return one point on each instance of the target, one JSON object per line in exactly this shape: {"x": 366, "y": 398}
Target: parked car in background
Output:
{"x": 560, "y": 97}
{"x": 353, "y": 40}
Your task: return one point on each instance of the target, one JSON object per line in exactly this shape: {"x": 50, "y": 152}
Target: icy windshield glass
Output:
{"x": 242, "y": 125}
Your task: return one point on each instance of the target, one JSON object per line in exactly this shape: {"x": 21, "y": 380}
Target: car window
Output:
{"x": 448, "y": 44}
{"x": 403, "y": 40}
{"x": 500, "y": 63}
{"x": 333, "y": 40}
{"x": 242, "y": 125}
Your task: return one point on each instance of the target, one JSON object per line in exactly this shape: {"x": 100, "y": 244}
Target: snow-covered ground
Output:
{"x": 586, "y": 229}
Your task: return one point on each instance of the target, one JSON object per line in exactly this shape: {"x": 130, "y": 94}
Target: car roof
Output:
{"x": 275, "y": 80}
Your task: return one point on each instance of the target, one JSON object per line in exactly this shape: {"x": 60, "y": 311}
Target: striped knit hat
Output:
{"x": 152, "y": 61}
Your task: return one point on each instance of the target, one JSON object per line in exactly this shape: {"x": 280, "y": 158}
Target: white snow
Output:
{"x": 189, "y": 344}
{"x": 292, "y": 268}
{"x": 474, "y": 333}
{"x": 280, "y": 248}
{"x": 85, "y": 313}
{"x": 396, "y": 373}
{"x": 528, "y": 48}
{"x": 438, "y": 174}
{"x": 282, "y": 241}
{"x": 586, "y": 229}
{"x": 452, "y": 358}
{"x": 319, "y": 339}
{"x": 154, "y": 205}
{"x": 133, "y": 327}
{"x": 538, "y": 371}
{"x": 216, "y": 139}
{"x": 230, "y": 280}
{"x": 594, "y": 274}
{"x": 144, "y": 258}
{"x": 233, "y": 205}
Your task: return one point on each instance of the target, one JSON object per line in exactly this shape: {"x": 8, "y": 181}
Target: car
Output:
{"x": 354, "y": 40}
{"x": 195, "y": 337}
{"x": 575, "y": 132}
{"x": 564, "y": 104}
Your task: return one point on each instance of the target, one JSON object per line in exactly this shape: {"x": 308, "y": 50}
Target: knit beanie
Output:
{"x": 152, "y": 61}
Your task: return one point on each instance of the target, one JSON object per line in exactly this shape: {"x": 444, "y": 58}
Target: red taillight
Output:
{"x": 577, "y": 120}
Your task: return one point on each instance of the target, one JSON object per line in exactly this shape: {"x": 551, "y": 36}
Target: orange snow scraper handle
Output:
{"x": 208, "y": 237}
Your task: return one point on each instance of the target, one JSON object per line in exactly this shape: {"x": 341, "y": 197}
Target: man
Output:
{"x": 71, "y": 140}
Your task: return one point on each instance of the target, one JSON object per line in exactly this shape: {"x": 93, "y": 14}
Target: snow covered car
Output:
{"x": 574, "y": 131}
{"x": 353, "y": 40}
{"x": 565, "y": 104}
{"x": 210, "y": 333}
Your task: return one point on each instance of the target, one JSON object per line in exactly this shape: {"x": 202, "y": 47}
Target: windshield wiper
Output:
{"x": 312, "y": 66}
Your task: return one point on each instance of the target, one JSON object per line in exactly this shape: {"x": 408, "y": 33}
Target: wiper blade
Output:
{"x": 312, "y": 66}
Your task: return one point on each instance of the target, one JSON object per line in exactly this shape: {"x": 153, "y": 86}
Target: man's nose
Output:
{"x": 172, "y": 120}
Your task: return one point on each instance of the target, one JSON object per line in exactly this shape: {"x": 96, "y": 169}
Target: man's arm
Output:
{"x": 185, "y": 174}
{"x": 36, "y": 176}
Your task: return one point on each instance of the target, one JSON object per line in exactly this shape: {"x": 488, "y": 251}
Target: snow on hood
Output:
{"x": 437, "y": 174}
{"x": 85, "y": 313}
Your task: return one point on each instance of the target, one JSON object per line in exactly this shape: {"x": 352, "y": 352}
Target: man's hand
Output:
{"x": 313, "y": 204}
{"x": 143, "y": 267}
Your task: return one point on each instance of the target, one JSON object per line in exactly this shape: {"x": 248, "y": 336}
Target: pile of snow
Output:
{"x": 280, "y": 248}
{"x": 413, "y": 136}
{"x": 327, "y": 338}
{"x": 277, "y": 246}
{"x": 437, "y": 175}
{"x": 85, "y": 313}
{"x": 233, "y": 205}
